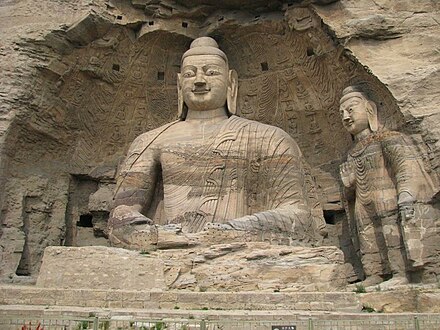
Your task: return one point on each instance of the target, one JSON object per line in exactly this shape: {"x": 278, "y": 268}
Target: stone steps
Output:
{"x": 12, "y": 316}
{"x": 219, "y": 310}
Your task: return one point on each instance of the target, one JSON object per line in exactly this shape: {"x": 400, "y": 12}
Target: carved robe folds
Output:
{"x": 247, "y": 175}
{"x": 386, "y": 165}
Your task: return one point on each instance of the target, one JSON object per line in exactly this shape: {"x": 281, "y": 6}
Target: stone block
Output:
{"x": 132, "y": 304}
{"x": 99, "y": 268}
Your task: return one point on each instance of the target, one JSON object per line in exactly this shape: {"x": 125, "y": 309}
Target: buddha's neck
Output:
{"x": 207, "y": 116}
{"x": 362, "y": 135}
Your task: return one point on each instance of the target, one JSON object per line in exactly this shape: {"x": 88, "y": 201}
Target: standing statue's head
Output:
{"x": 359, "y": 114}
{"x": 205, "y": 81}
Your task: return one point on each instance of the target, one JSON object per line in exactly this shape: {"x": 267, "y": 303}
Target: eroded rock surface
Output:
{"x": 247, "y": 266}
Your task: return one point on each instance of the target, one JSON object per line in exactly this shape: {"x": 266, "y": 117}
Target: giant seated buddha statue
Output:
{"x": 213, "y": 170}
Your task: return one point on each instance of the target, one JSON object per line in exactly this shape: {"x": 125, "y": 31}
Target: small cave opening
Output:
{"x": 24, "y": 267}
{"x": 85, "y": 220}
{"x": 330, "y": 217}
{"x": 184, "y": 25}
{"x": 161, "y": 76}
{"x": 264, "y": 66}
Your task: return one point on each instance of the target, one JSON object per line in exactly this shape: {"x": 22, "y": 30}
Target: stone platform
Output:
{"x": 121, "y": 286}
{"x": 68, "y": 317}
{"x": 231, "y": 267}
{"x": 404, "y": 299}
{"x": 155, "y": 299}
{"x": 403, "y": 308}
{"x": 66, "y": 312}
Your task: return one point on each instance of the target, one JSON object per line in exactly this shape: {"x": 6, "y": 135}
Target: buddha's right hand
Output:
{"x": 348, "y": 175}
{"x": 128, "y": 228}
{"x": 128, "y": 215}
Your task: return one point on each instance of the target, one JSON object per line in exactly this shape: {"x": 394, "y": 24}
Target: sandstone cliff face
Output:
{"x": 81, "y": 79}
{"x": 396, "y": 41}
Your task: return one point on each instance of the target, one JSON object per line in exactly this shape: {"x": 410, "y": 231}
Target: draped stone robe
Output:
{"x": 387, "y": 164}
{"x": 246, "y": 174}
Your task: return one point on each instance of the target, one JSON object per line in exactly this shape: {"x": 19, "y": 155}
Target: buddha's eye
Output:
{"x": 212, "y": 72}
{"x": 188, "y": 74}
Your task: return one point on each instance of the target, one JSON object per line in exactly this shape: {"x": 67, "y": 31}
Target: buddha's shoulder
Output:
{"x": 272, "y": 134}
{"x": 261, "y": 127}
{"x": 153, "y": 135}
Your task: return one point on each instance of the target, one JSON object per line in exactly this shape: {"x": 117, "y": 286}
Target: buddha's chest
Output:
{"x": 368, "y": 159}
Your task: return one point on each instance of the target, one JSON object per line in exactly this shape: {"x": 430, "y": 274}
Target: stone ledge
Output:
{"x": 34, "y": 311}
{"x": 401, "y": 300}
{"x": 305, "y": 301}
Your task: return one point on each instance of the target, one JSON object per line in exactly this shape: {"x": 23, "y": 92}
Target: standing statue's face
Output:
{"x": 204, "y": 82}
{"x": 354, "y": 115}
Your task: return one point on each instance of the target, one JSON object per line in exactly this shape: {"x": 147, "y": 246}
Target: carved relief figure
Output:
{"x": 213, "y": 169}
{"x": 385, "y": 182}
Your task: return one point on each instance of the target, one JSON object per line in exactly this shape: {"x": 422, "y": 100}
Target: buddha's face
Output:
{"x": 204, "y": 82}
{"x": 354, "y": 115}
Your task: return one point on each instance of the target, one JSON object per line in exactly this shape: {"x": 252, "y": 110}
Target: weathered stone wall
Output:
{"x": 397, "y": 41}
{"x": 81, "y": 79}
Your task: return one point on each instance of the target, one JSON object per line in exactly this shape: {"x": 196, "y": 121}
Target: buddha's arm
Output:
{"x": 135, "y": 187}
{"x": 288, "y": 191}
{"x": 406, "y": 167}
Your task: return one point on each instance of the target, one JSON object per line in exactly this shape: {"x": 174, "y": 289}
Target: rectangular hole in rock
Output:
{"x": 85, "y": 220}
{"x": 161, "y": 75}
{"x": 264, "y": 66}
{"x": 116, "y": 67}
{"x": 184, "y": 24}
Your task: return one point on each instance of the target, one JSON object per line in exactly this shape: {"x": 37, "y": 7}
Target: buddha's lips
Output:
{"x": 200, "y": 90}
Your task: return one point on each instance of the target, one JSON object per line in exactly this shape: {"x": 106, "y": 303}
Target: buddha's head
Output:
{"x": 358, "y": 113}
{"x": 205, "y": 81}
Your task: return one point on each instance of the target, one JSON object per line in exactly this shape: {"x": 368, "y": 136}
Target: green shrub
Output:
{"x": 360, "y": 288}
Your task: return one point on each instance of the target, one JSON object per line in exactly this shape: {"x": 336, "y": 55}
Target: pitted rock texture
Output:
{"x": 103, "y": 268}
{"x": 221, "y": 267}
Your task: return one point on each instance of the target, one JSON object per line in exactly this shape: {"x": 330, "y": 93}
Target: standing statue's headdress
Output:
{"x": 208, "y": 46}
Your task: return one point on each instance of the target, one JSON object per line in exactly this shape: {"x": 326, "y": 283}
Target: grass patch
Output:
{"x": 359, "y": 289}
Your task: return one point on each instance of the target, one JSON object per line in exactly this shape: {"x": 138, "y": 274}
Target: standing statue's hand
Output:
{"x": 348, "y": 174}
{"x": 406, "y": 205}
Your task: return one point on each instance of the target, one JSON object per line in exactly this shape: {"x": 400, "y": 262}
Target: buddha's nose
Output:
{"x": 199, "y": 83}
{"x": 199, "y": 80}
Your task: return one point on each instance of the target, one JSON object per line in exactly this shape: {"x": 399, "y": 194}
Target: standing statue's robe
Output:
{"x": 248, "y": 175}
{"x": 386, "y": 164}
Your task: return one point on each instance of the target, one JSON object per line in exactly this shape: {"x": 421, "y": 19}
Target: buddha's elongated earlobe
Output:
{"x": 232, "y": 92}
{"x": 371, "y": 109}
{"x": 181, "y": 113}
